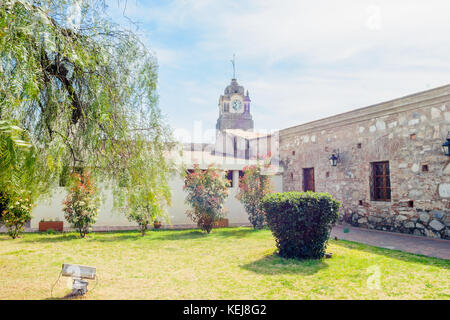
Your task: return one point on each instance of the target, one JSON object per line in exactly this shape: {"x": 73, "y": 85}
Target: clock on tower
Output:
{"x": 234, "y": 108}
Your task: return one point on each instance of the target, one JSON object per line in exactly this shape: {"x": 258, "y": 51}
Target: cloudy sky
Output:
{"x": 300, "y": 60}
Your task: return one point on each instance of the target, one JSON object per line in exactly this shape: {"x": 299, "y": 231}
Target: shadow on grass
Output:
{"x": 235, "y": 233}
{"x": 179, "y": 235}
{"x": 394, "y": 254}
{"x": 274, "y": 264}
{"x": 68, "y": 296}
{"x": 133, "y": 235}
{"x": 168, "y": 234}
{"x": 52, "y": 238}
{"x": 89, "y": 237}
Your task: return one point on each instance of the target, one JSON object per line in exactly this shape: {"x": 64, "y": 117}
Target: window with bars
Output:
{"x": 381, "y": 182}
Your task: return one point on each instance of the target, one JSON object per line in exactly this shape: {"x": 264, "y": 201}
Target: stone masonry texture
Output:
{"x": 408, "y": 133}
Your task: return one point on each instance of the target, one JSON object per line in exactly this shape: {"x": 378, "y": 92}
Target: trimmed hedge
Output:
{"x": 301, "y": 222}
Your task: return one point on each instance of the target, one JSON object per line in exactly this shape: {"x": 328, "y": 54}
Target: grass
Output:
{"x": 230, "y": 263}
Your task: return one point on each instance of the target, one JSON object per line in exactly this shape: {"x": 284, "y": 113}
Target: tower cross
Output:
{"x": 233, "y": 62}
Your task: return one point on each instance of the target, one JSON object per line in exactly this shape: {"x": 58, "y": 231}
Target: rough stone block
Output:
{"x": 410, "y": 225}
{"x": 436, "y": 225}
{"x": 444, "y": 190}
{"x": 437, "y": 214}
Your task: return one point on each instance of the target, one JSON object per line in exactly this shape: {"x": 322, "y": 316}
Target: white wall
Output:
{"x": 107, "y": 217}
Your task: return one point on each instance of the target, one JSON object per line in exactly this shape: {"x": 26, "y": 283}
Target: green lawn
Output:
{"x": 231, "y": 263}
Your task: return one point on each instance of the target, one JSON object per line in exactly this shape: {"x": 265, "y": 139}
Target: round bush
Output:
{"x": 301, "y": 222}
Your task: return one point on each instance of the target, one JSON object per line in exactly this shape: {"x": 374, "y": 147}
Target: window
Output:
{"x": 247, "y": 149}
{"x": 381, "y": 182}
{"x": 359, "y": 145}
{"x": 230, "y": 178}
{"x": 425, "y": 168}
{"x": 308, "y": 179}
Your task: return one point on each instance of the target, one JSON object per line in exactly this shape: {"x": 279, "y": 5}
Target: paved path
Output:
{"x": 438, "y": 248}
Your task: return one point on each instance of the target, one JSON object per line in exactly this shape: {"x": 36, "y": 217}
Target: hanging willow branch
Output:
{"x": 82, "y": 90}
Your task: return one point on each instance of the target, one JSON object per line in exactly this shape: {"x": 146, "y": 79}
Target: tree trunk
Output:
{"x": 143, "y": 230}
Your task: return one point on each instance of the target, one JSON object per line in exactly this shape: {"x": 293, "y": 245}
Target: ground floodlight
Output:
{"x": 79, "y": 275}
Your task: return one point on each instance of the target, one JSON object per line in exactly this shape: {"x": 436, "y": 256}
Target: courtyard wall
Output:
{"x": 110, "y": 219}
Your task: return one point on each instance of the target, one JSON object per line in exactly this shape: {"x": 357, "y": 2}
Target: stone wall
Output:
{"x": 408, "y": 132}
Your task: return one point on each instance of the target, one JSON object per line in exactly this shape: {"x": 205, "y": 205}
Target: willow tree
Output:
{"x": 84, "y": 91}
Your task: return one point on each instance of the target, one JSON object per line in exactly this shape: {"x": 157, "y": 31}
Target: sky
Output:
{"x": 299, "y": 60}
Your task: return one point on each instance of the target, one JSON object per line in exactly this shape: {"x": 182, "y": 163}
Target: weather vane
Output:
{"x": 233, "y": 62}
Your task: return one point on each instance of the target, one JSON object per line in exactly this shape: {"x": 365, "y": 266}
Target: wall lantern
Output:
{"x": 334, "y": 159}
{"x": 446, "y": 145}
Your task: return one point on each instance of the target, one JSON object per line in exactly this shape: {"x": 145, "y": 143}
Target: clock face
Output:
{"x": 236, "y": 105}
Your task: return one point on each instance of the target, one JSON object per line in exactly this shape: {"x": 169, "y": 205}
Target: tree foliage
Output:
{"x": 146, "y": 199}
{"x": 22, "y": 169}
{"x": 81, "y": 204}
{"x": 84, "y": 92}
{"x": 206, "y": 193}
{"x": 253, "y": 186}
{"x": 17, "y": 213}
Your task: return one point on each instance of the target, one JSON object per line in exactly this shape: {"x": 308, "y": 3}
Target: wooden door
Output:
{"x": 308, "y": 179}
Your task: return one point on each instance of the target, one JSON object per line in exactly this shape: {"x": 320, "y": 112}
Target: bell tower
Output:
{"x": 234, "y": 108}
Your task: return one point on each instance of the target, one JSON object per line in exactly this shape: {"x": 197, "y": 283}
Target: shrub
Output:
{"x": 206, "y": 192}
{"x": 4, "y": 201}
{"x": 17, "y": 214}
{"x": 253, "y": 186}
{"x": 80, "y": 205}
{"x": 143, "y": 212}
{"x": 50, "y": 231}
{"x": 301, "y": 222}
{"x": 146, "y": 203}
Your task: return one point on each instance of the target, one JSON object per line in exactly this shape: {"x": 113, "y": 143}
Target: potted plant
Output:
{"x": 157, "y": 224}
{"x": 50, "y": 224}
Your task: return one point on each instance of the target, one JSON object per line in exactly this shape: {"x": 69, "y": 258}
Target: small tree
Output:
{"x": 206, "y": 192}
{"x": 81, "y": 204}
{"x": 144, "y": 208}
{"x": 17, "y": 214}
{"x": 253, "y": 186}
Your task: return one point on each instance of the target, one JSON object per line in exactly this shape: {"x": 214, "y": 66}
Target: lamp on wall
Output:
{"x": 334, "y": 158}
{"x": 446, "y": 145}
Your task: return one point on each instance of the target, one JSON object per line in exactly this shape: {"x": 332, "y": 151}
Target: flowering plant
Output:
{"x": 253, "y": 186}
{"x": 206, "y": 193}
{"x": 81, "y": 204}
{"x": 17, "y": 214}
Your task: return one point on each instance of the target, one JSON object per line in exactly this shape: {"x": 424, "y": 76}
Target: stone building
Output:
{"x": 391, "y": 172}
